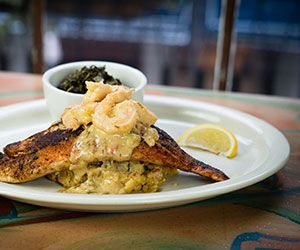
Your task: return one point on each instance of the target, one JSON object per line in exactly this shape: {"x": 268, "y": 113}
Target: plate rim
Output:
{"x": 174, "y": 196}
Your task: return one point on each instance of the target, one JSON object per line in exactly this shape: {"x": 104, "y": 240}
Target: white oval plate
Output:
{"x": 263, "y": 150}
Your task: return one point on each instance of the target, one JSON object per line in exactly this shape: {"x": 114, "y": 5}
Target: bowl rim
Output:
{"x": 48, "y": 73}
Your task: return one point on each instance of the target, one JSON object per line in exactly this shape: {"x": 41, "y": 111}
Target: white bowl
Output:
{"x": 57, "y": 99}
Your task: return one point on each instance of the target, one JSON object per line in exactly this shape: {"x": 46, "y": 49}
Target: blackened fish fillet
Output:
{"x": 49, "y": 151}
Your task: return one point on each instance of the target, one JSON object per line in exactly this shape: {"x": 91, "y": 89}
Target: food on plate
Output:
{"x": 75, "y": 82}
{"x": 211, "y": 137}
{"x": 108, "y": 144}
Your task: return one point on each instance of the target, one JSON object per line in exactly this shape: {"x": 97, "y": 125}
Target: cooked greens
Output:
{"x": 75, "y": 82}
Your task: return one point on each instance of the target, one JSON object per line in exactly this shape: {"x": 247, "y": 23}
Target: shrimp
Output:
{"x": 145, "y": 115}
{"x": 116, "y": 114}
{"x": 78, "y": 115}
{"x": 119, "y": 119}
{"x": 118, "y": 95}
{"x": 96, "y": 91}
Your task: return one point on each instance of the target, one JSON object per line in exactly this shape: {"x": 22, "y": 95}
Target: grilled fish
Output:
{"x": 49, "y": 151}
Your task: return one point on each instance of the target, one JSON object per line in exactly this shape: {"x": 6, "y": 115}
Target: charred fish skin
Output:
{"x": 51, "y": 136}
{"x": 167, "y": 152}
{"x": 49, "y": 151}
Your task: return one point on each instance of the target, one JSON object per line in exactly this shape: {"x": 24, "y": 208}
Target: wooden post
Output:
{"x": 226, "y": 45}
{"x": 37, "y": 11}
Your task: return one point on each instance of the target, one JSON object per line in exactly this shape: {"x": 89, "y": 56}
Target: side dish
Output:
{"x": 108, "y": 144}
{"x": 75, "y": 82}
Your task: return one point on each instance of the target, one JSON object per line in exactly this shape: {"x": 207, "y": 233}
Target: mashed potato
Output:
{"x": 113, "y": 177}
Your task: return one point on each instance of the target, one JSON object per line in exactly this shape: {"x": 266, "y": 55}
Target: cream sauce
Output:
{"x": 94, "y": 145}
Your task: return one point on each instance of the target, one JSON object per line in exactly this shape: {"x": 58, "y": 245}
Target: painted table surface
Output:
{"x": 263, "y": 216}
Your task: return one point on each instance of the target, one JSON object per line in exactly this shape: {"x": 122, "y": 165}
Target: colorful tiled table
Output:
{"x": 263, "y": 216}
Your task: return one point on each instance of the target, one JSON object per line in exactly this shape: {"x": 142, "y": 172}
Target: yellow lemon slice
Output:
{"x": 210, "y": 137}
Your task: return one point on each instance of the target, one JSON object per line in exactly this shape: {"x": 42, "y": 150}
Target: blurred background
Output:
{"x": 172, "y": 41}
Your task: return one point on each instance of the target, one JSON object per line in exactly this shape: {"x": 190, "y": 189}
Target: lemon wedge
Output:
{"x": 210, "y": 137}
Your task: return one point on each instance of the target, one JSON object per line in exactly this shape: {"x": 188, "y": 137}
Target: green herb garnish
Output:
{"x": 75, "y": 82}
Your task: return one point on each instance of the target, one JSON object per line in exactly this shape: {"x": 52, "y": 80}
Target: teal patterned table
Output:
{"x": 263, "y": 216}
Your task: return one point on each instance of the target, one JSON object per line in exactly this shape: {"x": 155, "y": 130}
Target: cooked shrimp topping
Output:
{"x": 108, "y": 111}
{"x": 119, "y": 119}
